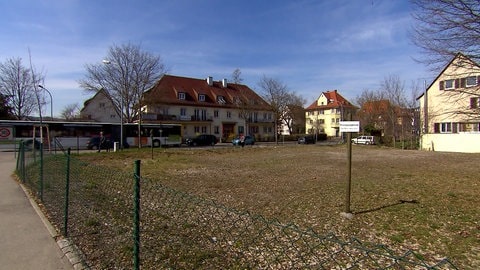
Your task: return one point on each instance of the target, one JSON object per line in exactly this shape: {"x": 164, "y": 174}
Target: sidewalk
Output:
{"x": 25, "y": 242}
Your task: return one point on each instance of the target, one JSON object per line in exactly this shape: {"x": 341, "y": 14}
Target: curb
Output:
{"x": 69, "y": 250}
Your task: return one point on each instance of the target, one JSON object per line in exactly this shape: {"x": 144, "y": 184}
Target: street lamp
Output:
{"x": 108, "y": 62}
{"x": 51, "y": 101}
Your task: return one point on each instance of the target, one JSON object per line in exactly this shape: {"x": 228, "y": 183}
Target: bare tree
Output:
{"x": 236, "y": 76}
{"x": 372, "y": 111}
{"x": 126, "y": 72}
{"x": 276, "y": 94}
{"x": 394, "y": 90}
{"x": 388, "y": 110}
{"x": 17, "y": 84}
{"x": 5, "y": 109}
{"x": 294, "y": 115}
{"x": 445, "y": 27}
{"x": 71, "y": 111}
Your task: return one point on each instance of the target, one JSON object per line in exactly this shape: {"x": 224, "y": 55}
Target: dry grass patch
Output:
{"x": 426, "y": 201}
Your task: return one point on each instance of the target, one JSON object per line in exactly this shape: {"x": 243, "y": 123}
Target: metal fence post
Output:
{"x": 24, "y": 176}
{"x": 67, "y": 194}
{"x": 41, "y": 171}
{"x": 18, "y": 156}
{"x": 136, "y": 217}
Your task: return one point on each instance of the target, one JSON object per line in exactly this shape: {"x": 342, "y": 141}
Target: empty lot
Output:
{"x": 425, "y": 201}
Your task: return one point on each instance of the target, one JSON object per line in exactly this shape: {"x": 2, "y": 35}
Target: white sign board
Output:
{"x": 349, "y": 126}
{"x": 6, "y": 133}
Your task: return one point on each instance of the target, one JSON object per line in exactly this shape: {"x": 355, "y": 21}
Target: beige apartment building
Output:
{"x": 206, "y": 106}
{"x": 450, "y": 108}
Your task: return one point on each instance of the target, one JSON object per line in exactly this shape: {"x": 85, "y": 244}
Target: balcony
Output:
{"x": 198, "y": 118}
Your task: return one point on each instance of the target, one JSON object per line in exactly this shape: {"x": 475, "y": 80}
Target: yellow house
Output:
{"x": 324, "y": 114}
{"x": 449, "y": 108}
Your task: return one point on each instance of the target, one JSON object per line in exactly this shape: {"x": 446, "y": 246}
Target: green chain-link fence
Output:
{"x": 169, "y": 229}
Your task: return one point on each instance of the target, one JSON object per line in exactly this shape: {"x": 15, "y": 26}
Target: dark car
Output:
{"x": 94, "y": 143}
{"x": 203, "y": 139}
{"x": 307, "y": 139}
{"x": 30, "y": 144}
{"x": 249, "y": 140}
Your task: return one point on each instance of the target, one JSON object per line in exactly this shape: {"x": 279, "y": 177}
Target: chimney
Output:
{"x": 224, "y": 83}
{"x": 210, "y": 80}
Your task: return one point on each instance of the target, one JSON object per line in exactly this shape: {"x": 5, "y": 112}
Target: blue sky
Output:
{"x": 311, "y": 46}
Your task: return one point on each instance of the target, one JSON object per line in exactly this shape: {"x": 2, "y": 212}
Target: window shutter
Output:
{"x": 436, "y": 128}
{"x": 478, "y": 80}
{"x": 454, "y": 127}
{"x": 442, "y": 85}
{"x": 457, "y": 83}
{"x": 463, "y": 82}
{"x": 473, "y": 103}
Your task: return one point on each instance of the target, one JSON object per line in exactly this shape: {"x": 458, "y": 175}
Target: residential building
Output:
{"x": 100, "y": 108}
{"x": 389, "y": 122}
{"x": 450, "y": 108}
{"x": 205, "y": 106}
{"x": 324, "y": 114}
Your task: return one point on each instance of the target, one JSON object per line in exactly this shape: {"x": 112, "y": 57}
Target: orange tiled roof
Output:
{"x": 336, "y": 99}
{"x": 166, "y": 91}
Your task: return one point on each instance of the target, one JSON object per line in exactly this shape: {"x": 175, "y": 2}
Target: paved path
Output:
{"x": 25, "y": 242}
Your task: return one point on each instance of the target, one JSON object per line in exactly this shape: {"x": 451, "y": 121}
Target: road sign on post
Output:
{"x": 349, "y": 127}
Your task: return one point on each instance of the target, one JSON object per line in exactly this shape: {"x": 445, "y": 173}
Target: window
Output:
{"x": 321, "y": 112}
{"x": 215, "y": 113}
{"x": 196, "y": 129}
{"x": 229, "y": 115}
{"x": 445, "y": 127}
{"x": 101, "y": 105}
{"x": 449, "y": 84}
{"x": 471, "y": 81}
{"x": 183, "y": 111}
{"x": 333, "y": 120}
{"x": 216, "y": 129}
{"x": 337, "y": 120}
{"x": 204, "y": 129}
{"x": 181, "y": 95}
{"x": 311, "y": 122}
{"x": 201, "y": 97}
{"x": 221, "y": 100}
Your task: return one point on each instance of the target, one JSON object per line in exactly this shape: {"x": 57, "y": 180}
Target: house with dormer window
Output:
{"x": 450, "y": 108}
{"x": 325, "y": 113}
{"x": 100, "y": 108}
{"x": 205, "y": 106}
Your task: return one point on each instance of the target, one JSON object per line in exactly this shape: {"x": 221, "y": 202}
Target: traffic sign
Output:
{"x": 6, "y": 133}
{"x": 349, "y": 126}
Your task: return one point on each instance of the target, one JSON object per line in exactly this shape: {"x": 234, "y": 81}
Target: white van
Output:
{"x": 364, "y": 140}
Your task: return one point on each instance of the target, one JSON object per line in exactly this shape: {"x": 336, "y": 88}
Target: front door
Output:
{"x": 227, "y": 131}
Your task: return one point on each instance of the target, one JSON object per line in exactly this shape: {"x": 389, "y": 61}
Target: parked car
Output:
{"x": 307, "y": 139}
{"x": 204, "y": 139}
{"x": 30, "y": 144}
{"x": 94, "y": 143}
{"x": 249, "y": 140}
{"x": 364, "y": 140}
